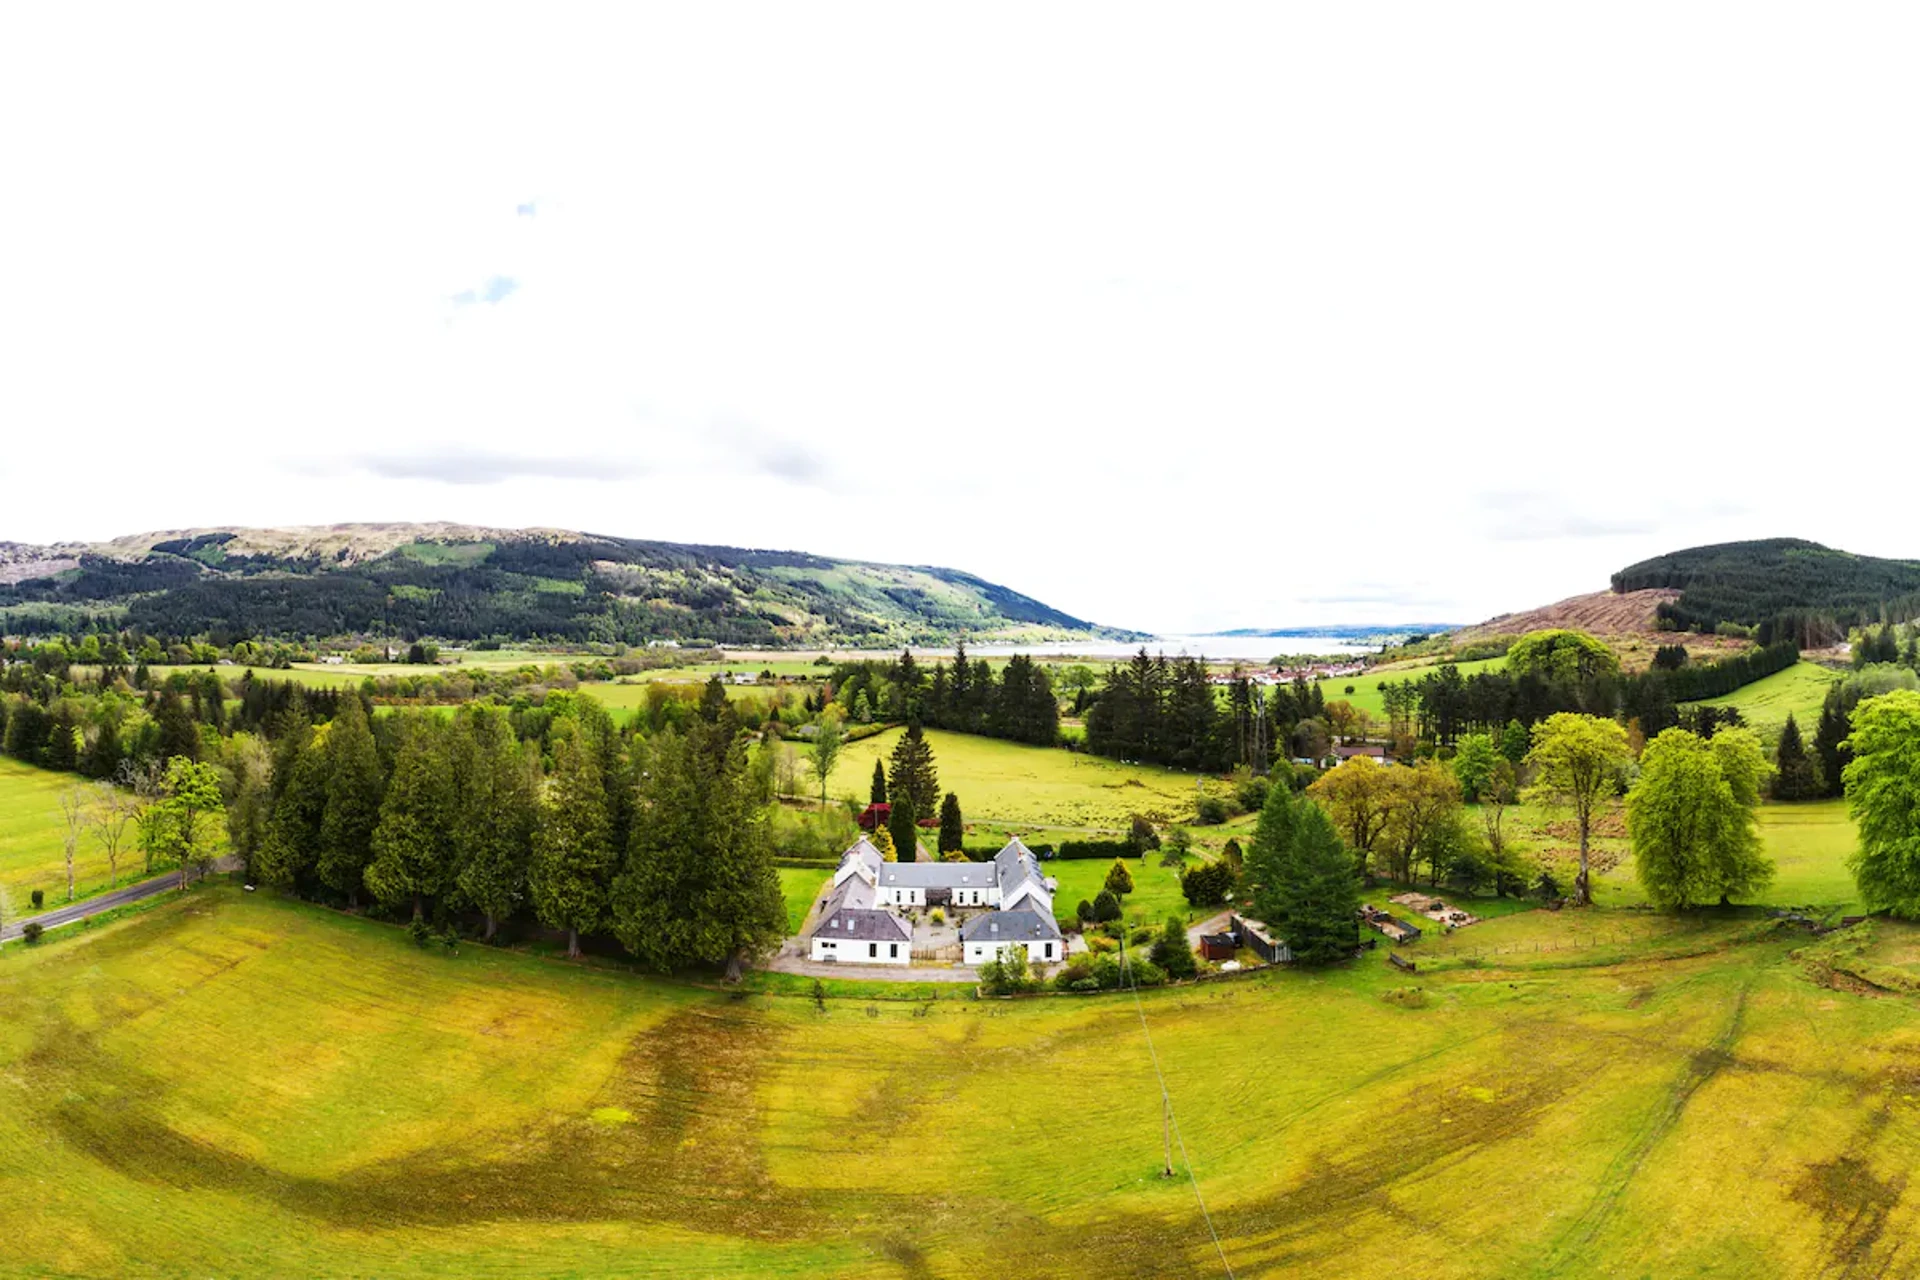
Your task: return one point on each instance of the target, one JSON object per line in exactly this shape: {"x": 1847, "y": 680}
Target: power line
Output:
{"x": 1169, "y": 1119}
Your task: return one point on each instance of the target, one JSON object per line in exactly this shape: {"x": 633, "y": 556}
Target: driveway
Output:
{"x": 105, "y": 902}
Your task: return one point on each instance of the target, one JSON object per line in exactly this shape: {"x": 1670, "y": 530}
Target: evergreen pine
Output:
{"x": 903, "y": 826}
{"x": 1171, "y": 952}
{"x": 290, "y": 850}
{"x": 1829, "y": 741}
{"x": 913, "y": 780}
{"x": 572, "y": 858}
{"x": 354, "y": 785}
{"x": 1119, "y": 880}
{"x": 1272, "y": 846}
{"x": 1795, "y": 777}
{"x": 953, "y": 830}
{"x": 699, "y": 884}
{"x": 1318, "y": 894}
{"x": 877, "y": 793}
{"x": 104, "y": 753}
{"x": 412, "y": 851}
{"x": 178, "y": 734}
{"x": 494, "y": 811}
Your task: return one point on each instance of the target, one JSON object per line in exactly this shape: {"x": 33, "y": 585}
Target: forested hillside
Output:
{"x": 470, "y": 584}
{"x": 1792, "y": 588}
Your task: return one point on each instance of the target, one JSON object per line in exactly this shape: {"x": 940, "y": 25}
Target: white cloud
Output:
{"x": 1242, "y": 317}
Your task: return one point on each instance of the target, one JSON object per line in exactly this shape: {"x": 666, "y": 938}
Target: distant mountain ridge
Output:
{"x": 468, "y": 582}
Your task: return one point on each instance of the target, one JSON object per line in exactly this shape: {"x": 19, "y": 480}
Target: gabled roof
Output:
{"x": 1017, "y": 925}
{"x": 937, "y": 875}
{"x": 1014, "y": 864}
{"x": 850, "y": 915}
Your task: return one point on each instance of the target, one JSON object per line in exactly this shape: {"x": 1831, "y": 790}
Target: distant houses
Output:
{"x": 863, "y": 921}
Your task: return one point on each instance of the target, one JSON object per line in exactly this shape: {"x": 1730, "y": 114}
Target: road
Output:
{"x": 104, "y": 902}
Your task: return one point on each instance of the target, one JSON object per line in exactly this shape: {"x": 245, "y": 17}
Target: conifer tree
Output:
{"x": 572, "y": 858}
{"x": 290, "y": 850}
{"x": 1119, "y": 880}
{"x": 355, "y": 783}
{"x": 1318, "y": 894}
{"x": 104, "y": 753}
{"x": 1830, "y": 741}
{"x": 1272, "y": 846}
{"x": 178, "y": 734}
{"x": 713, "y": 701}
{"x": 884, "y": 843}
{"x": 903, "y": 825}
{"x": 412, "y": 850}
{"x": 494, "y": 813}
{"x": 1794, "y": 775}
{"x": 877, "y": 793}
{"x": 63, "y": 746}
{"x": 913, "y": 778}
{"x": 1172, "y": 953}
{"x": 699, "y": 884}
{"x": 953, "y": 830}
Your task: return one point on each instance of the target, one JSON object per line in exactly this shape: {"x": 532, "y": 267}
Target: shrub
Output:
{"x": 31, "y": 931}
{"x": 39, "y": 898}
{"x": 1179, "y": 844}
{"x": 1119, "y": 883}
{"x": 1141, "y": 936}
{"x": 1147, "y": 974}
{"x": 937, "y": 916}
{"x": 420, "y": 933}
{"x": 1171, "y": 952}
{"x": 1251, "y": 795}
{"x": 1084, "y": 912}
{"x": 1007, "y": 973}
{"x": 1208, "y": 885}
{"x": 1083, "y": 850}
{"x": 1106, "y": 906}
{"x": 1210, "y": 811}
{"x": 1141, "y": 836}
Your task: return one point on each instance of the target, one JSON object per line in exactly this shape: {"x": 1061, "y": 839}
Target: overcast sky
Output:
{"x": 1176, "y": 318}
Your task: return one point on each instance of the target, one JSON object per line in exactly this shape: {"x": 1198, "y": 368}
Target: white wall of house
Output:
{"x": 1047, "y": 951}
{"x": 857, "y": 951}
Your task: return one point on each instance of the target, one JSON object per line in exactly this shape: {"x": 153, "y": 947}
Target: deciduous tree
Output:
{"x": 1691, "y": 817}
{"x": 1577, "y": 762}
{"x": 191, "y": 811}
{"x": 1883, "y": 795}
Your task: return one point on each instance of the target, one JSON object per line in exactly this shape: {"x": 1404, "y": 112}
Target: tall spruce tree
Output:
{"x": 355, "y": 785}
{"x": 572, "y": 857}
{"x": 877, "y": 792}
{"x": 913, "y": 777}
{"x": 1318, "y": 894}
{"x": 1795, "y": 777}
{"x": 699, "y": 884}
{"x": 1271, "y": 847}
{"x": 494, "y": 813}
{"x": 290, "y": 849}
{"x": 412, "y": 845}
{"x": 1830, "y": 741}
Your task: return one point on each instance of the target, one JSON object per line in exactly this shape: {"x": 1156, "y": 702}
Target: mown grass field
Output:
{"x": 32, "y": 841}
{"x": 232, "y": 1084}
{"x": 1766, "y": 703}
{"x": 1011, "y": 783}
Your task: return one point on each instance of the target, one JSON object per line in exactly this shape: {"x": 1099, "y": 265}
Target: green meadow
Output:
{"x": 235, "y": 1084}
{"x": 1797, "y": 691}
{"x": 33, "y": 846}
{"x": 1366, "y": 688}
{"x": 1014, "y": 785}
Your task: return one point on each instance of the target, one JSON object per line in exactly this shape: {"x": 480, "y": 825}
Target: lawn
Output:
{"x": 1533, "y": 1109}
{"x": 1156, "y": 889}
{"x": 1766, "y": 703}
{"x": 800, "y": 886}
{"x": 32, "y": 841}
{"x": 1011, "y": 783}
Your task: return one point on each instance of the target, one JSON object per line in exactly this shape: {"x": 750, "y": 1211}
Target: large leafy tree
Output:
{"x": 699, "y": 884}
{"x": 1577, "y": 761}
{"x": 412, "y": 845}
{"x": 1561, "y": 654}
{"x": 824, "y": 750}
{"x": 191, "y": 812}
{"x": 1358, "y": 795}
{"x": 1314, "y": 902}
{"x": 1691, "y": 816}
{"x": 493, "y": 813}
{"x": 1474, "y": 761}
{"x": 572, "y": 856}
{"x": 356, "y": 784}
{"x": 1883, "y": 795}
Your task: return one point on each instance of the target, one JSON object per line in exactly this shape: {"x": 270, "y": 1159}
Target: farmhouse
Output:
{"x": 861, "y": 922}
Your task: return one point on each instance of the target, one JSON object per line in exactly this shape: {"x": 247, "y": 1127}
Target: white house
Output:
{"x": 861, "y": 924}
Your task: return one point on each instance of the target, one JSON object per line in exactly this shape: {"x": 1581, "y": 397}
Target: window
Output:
{"x": 893, "y": 950}
{"x": 873, "y": 951}
{"x": 1049, "y": 951}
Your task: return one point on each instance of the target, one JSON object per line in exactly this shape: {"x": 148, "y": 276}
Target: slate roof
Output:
{"x": 937, "y": 875}
{"x": 1017, "y": 925}
{"x": 1015, "y": 863}
{"x": 851, "y": 915}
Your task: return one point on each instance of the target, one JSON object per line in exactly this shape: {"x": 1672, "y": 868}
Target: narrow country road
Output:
{"x": 120, "y": 897}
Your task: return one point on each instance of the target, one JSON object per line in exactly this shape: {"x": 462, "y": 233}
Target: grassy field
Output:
{"x": 800, "y": 886}
{"x": 1611, "y": 1092}
{"x": 1010, "y": 783}
{"x": 1798, "y": 690}
{"x": 1366, "y": 689}
{"x": 32, "y": 844}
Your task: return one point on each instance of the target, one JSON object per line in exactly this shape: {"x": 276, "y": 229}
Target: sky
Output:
{"x": 1175, "y": 317}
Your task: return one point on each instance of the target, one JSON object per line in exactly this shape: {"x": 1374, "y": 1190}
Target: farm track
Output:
{"x": 105, "y": 902}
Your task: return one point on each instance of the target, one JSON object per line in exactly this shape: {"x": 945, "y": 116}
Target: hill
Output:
{"x": 468, "y": 583}
{"x": 1760, "y": 583}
